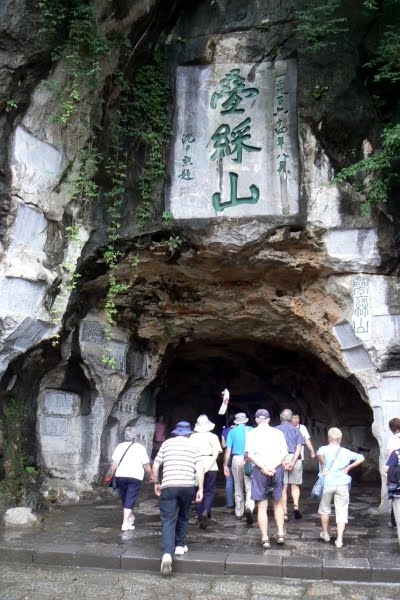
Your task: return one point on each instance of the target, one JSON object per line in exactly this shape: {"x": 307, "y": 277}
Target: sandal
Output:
{"x": 285, "y": 516}
{"x": 296, "y": 512}
{"x": 280, "y": 539}
{"x": 266, "y": 543}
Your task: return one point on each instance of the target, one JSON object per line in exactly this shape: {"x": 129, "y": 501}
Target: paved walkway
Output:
{"x": 44, "y": 582}
{"x": 90, "y": 536}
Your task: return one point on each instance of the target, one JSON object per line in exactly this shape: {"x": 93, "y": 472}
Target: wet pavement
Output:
{"x": 43, "y": 582}
{"x": 90, "y": 536}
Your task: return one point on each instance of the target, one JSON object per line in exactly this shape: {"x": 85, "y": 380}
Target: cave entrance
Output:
{"x": 259, "y": 375}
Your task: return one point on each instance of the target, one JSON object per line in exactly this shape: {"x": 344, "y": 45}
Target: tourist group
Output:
{"x": 261, "y": 464}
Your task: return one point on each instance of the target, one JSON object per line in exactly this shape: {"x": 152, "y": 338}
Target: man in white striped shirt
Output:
{"x": 182, "y": 464}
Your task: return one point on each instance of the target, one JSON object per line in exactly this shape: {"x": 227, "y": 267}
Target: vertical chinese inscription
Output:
{"x": 187, "y": 164}
{"x": 361, "y": 312}
{"x": 279, "y": 122}
{"x": 230, "y": 138}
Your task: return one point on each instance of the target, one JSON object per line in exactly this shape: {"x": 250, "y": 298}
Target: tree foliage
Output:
{"x": 319, "y": 28}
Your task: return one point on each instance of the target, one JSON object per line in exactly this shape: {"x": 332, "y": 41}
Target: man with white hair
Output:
{"x": 293, "y": 467}
{"x": 267, "y": 449}
{"x": 295, "y": 488}
{"x": 129, "y": 463}
{"x": 235, "y": 446}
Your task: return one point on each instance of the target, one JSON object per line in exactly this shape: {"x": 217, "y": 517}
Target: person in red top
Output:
{"x": 160, "y": 435}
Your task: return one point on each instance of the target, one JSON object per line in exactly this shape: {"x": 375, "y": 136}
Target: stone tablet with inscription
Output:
{"x": 235, "y": 148}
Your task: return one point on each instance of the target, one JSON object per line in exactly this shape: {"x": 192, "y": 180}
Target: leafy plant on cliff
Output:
{"x": 374, "y": 175}
{"x": 116, "y": 168}
{"x": 150, "y": 127}
{"x": 318, "y": 27}
{"x": 82, "y": 51}
{"x": 14, "y": 424}
{"x": 69, "y": 280}
{"x": 141, "y": 116}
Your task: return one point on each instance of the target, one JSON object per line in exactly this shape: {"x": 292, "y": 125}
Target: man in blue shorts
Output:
{"x": 267, "y": 448}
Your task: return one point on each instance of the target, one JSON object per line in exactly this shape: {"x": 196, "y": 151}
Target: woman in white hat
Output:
{"x": 209, "y": 447}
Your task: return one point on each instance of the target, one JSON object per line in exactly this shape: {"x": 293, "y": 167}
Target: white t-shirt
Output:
{"x": 306, "y": 436}
{"x": 208, "y": 445}
{"x": 267, "y": 444}
{"x": 393, "y": 444}
{"x": 133, "y": 461}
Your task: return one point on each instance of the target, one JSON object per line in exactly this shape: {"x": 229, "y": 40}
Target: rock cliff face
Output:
{"x": 262, "y": 276}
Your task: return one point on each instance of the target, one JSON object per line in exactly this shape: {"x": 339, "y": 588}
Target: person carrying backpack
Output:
{"x": 393, "y": 481}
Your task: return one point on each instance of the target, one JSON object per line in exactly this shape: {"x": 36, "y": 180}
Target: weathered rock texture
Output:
{"x": 295, "y": 308}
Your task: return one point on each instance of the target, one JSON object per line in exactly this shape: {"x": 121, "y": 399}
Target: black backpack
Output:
{"x": 393, "y": 478}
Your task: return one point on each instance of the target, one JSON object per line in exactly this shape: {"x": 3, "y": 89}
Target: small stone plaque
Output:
{"x": 93, "y": 332}
{"x": 55, "y": 426}
{"x": 362, "y": 309}
{"x": 117, "y": 351}
{"x": 20, "y": 296}
{"x": 58, "y": 403}
{"x": 126, "y": 406}
{"x": 139, "y": 365}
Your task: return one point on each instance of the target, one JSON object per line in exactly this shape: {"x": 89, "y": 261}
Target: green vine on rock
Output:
{"x": 116, "y": 168}
{"x": 69, "y": 280}
{"x": 374, "y": 175}
{"x": 81, "y": 52}
{"x": 150, "y": 127}
{"x": 318, "y": 27}
{"x": 14, "y": 423}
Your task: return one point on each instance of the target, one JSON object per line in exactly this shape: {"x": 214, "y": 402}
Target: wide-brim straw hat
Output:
{"x": 203, "y": 424}
{"x": 240, "y": 418}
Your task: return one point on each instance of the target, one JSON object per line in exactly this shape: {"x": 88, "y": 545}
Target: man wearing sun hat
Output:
{"x": 181, "y": 463}
{"x": 235, "y": 446}
{"x": 209, "y": 448}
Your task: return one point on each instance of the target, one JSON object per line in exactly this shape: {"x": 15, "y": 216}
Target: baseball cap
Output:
{"x": 262, "y": 413}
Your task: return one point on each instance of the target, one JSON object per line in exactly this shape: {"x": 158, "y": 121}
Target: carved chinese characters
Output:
{"x": 235, "y": 141}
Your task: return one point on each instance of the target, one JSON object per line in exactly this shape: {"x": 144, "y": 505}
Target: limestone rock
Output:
{"x": 21, "y": 517}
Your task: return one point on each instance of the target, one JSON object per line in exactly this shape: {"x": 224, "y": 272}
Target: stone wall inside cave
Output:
{"x": 278, "y": 274}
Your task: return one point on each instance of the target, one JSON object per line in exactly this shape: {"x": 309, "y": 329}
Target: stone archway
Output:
{"x": 261, "y": 375}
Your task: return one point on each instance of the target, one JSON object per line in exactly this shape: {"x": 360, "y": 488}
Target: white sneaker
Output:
{"x": 166, "y": 565}
{"x": 131, "y": 520}
{"x": 127, "y": 527}
{"x": 180, "y": 550}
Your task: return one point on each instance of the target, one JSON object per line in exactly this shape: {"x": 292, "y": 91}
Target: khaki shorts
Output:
{"x": 340, "y": 495}
{"x": 296, "y": 474}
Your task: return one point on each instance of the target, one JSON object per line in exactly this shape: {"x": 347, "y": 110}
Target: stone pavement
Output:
{"x": 43, "y": 582}
{"x": 90, "y": 536}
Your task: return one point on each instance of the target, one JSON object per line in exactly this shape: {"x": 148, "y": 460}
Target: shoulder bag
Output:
{"x": 111, "y": 480}
{"x": 318, "y": 487}
{"x": 393, "y": 478}
{"x": 248, "y": 465}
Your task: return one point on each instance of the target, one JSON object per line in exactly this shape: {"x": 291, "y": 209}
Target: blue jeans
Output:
{"x": 175, "y": 512}
{"x": 230, "y": 502}
{"x": 210, "y": 486}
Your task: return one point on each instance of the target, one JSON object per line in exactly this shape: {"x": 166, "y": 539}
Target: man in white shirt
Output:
{"x": 266, "y": 447}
